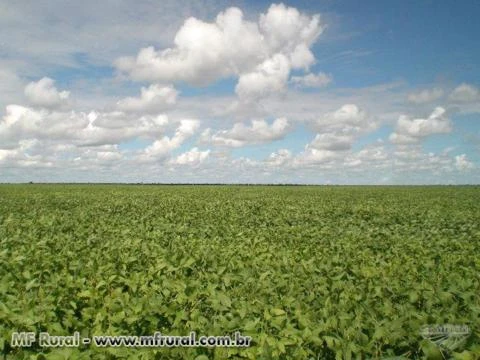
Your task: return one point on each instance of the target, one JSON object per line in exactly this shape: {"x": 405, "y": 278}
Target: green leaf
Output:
{"x": 277, "y": 312}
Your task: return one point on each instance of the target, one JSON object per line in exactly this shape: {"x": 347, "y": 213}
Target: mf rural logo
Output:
{"x": 449, "y": 337}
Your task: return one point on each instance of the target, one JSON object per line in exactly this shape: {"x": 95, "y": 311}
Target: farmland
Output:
{"x": 307, "y": 272}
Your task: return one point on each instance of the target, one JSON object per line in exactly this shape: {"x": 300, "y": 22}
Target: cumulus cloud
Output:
{"x": 333, "y": 142}
{"x": 374, "y": 163}
{"x": 462, "y": 163}
{"x": 402, "y": 160}
{"x": 425, "y": 96}
{"x": 116, "y": 127}
{"x": 44, "y": 93}
{"x": 194, "y": 157}
{"x": 336, "y": 133}
{"x": 23, "y": 156}
{"x": 373, "y": 156}
{"x": 204, "y": 52}
{"x": 312, "y": 156}
{"x": 347, "y": 120}
{"x": 120, "y": 120}
{"x": 279, "y": 158}
{"x": 108, "y": 156}
{"x": 269, "y": 77}
{"x": 312, "y": 80}
{"x": 413, "y": 130}
{"x": 410, "y": 159}
{"x": 287, "y": 30}
{"x": 161, "y": 148}
{"x": 20, "y": 122}
{"x": 465, "y": 93}
{"x": 240, "y": 134}
{"x": 155, "y": 98}
{"x": 325, "y": 148}
{"x": 76, "y": 127}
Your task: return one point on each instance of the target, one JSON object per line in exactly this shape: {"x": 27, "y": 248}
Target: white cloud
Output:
{"x": 410, "y": 159}
{"x": 413, "y": 130}
{"x": 326, "y": 148}
{"x": 378, "y": 163}
{"x": 336, "y": 133}
{"x": 108, "y": 156}
{"x": 269, "y": 77}
{"x": 425, "y": 96}
{"x": 18, "y": 158}
{"x": 240, "y": 134}
{"x": 312, "y": 156}
{"x": 22, "y": 122}
{"x": 155, "y": 98}
{"x": 44, "y": 93}
{"x": 347, "y": 120}
{"x": 312, "y": 80}
{"x": 462, "y": 163}
{"x": 374, "y": 155}
{"x": 28, "y": 153}
{"x": 95, "y": 30}
{"x": 279, "y": 158}
{"x": 74, "y": 127}
{"x": 398, "y": 138}
{"x": 204, "y": 52}
{"x": 11, "y": 86}
{"x": 194, "y": 157}
{"x": 118, "y": 120}
{"x": 333, "y": 142}
{"x": 161, "y": 148}
{"x": 288, "y": 31}
{"x": 465, "y": 93}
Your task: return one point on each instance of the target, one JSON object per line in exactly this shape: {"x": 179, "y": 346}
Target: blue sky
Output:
{"x": 341, "y": 92}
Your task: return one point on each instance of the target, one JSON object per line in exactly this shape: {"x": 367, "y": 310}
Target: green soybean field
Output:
{"x": 308, "y": 272}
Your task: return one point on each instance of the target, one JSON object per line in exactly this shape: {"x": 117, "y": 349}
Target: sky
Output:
{"x": 204, "y": 91}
